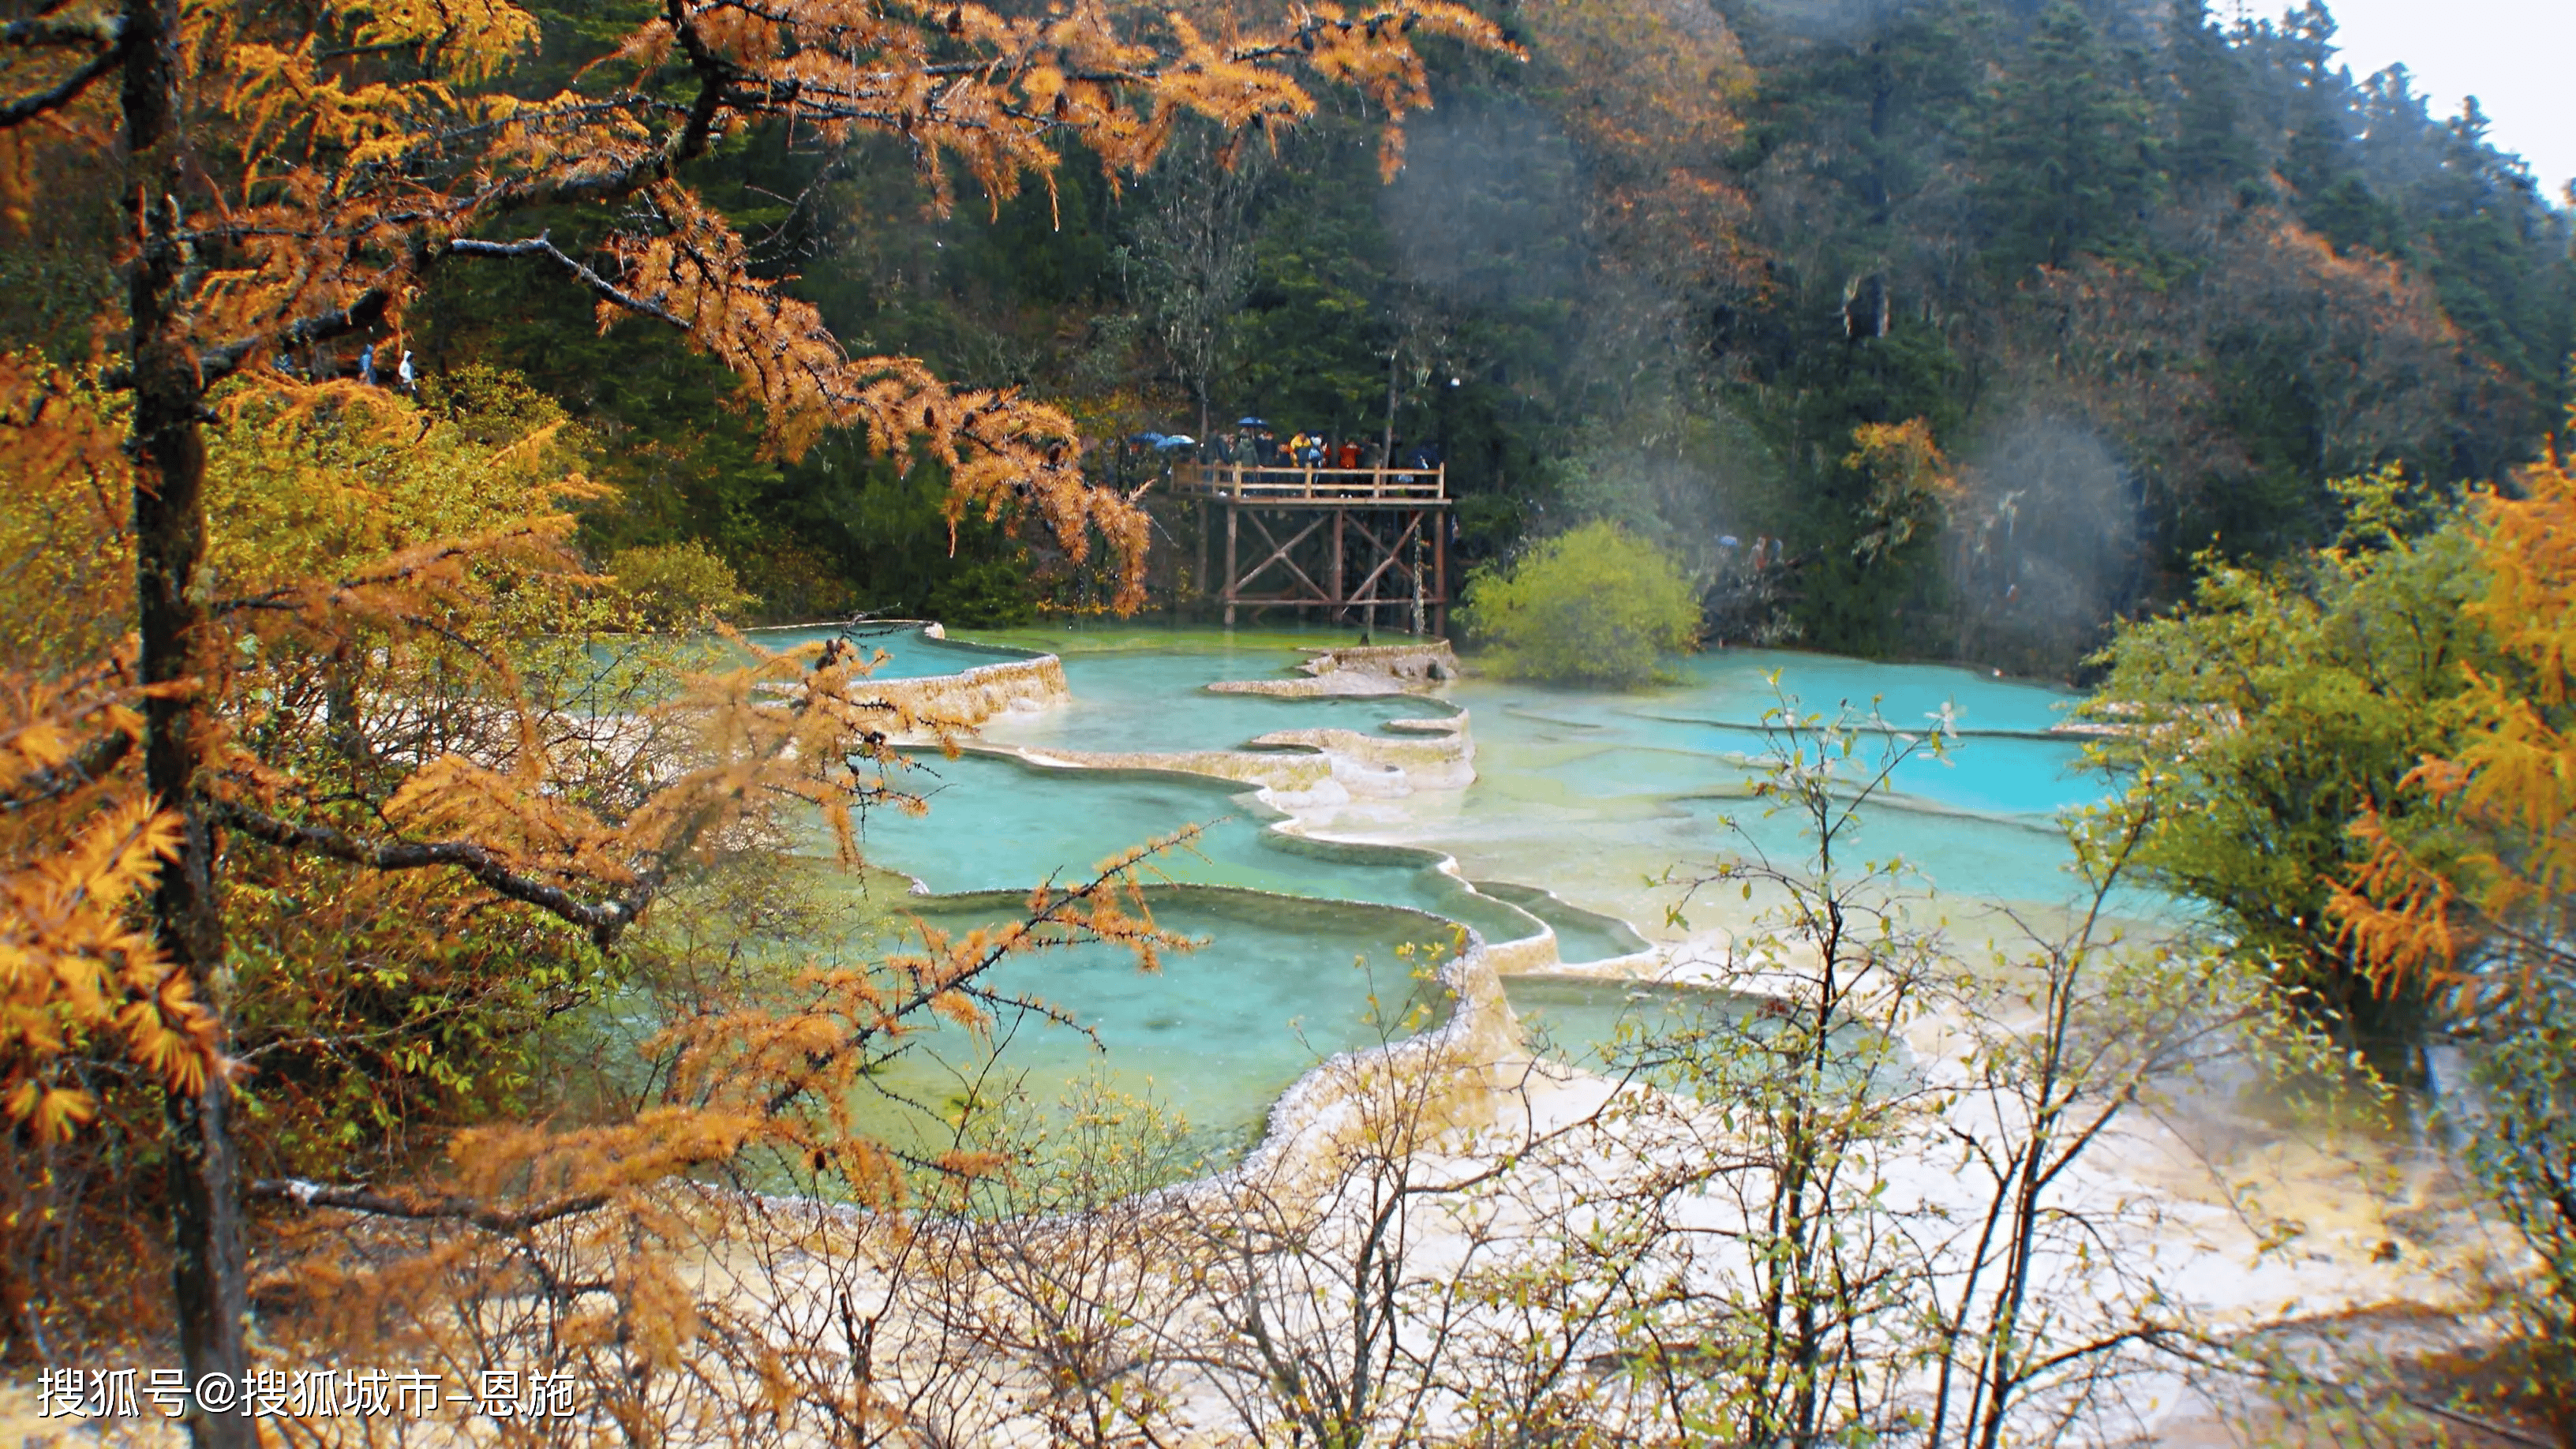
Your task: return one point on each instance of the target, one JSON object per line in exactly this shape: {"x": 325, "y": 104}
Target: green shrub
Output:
{"x": 987, "y": 594}
{"x": 2276, "y": 707}
{"x": 676, "y": 585}
{"x": 1595, "y": 606}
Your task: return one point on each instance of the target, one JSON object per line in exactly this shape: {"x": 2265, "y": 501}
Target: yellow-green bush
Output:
{"x": 677, "y": 585}
{"x": 1597, "y": 605}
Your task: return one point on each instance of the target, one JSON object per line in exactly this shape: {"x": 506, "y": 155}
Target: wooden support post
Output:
{"x": 1230, "y": 515}
{"x": 1206, "y": 509}
{"x": 1413, "y": 568}
{"x": 1340, "y": 606}
{"x": 1440, "y": 573}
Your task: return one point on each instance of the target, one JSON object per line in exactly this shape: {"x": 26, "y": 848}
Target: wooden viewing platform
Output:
{"x": 1352, "y": 542}
{"x": 1250, "y": 481}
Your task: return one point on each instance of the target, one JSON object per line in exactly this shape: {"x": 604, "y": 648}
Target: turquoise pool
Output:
{"x": 1581, "y": 802}
{"x": 1213, "y": 1036}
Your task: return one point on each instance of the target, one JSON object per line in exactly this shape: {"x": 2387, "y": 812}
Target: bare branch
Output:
{"x": 105, "y": 31}
{"x": 27, "y": 108}
{"x": 540, "y": 245}
{"x": 422, "y": 1209}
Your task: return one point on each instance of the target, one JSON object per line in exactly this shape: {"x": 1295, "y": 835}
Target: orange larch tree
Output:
{"x": 293, "y": 178}
{"x": 2480, "y": 907}
{"x": 2473, "y": 900}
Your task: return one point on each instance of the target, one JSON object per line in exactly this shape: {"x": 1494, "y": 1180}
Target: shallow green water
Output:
{"x": 998, "y": 824}
{"x": 1580, "y": 934}
{"x": 1214, "y": 1035}
{"x": 1159, "y": 701}
{"x": 1593, "y": 794}
{"x": 1141, "y": 695}
{"x": 1607, "y": 1026}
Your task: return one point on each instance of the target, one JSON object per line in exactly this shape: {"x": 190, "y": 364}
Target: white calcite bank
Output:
{"x": 1408, "y": 782}
{"x": 1309, "y": 768}
{"x": 972, "y": 698}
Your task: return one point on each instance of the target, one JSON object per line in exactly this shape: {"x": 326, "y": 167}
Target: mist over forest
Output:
{"x": 2151, "y": 278}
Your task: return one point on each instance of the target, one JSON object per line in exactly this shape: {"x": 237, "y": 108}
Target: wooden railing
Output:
{"x": 1278, "y": 483}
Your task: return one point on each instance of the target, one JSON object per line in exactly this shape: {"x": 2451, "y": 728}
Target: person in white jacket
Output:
{"x": 402, "y": 373}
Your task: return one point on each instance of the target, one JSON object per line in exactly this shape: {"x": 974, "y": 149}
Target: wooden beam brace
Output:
{"x": 1389, "y": 556}
{"x": 1279, "y": 555}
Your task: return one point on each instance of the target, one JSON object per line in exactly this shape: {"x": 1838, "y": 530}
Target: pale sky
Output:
{"x": 2518, "y": 57}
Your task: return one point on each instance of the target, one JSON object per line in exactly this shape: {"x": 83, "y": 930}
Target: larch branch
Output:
{"x": 604, "y": 920}
{"x": 358, "y": 316}
{"x": 27, "y": 108}
{"x": 422, "y": 1209}
{"x": 217, "y": 363}
{"x": 92, "y": 761}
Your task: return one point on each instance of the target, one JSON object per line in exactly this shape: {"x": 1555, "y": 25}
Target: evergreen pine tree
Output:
{"x": 2212, "y": 148}
{"x": 2066, "y": 163}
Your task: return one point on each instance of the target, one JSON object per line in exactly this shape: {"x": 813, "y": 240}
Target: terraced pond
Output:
{"x": 1578, "y": 803}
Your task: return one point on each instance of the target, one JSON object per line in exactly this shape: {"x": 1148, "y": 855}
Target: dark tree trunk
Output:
{"x": 208, "y": 1277}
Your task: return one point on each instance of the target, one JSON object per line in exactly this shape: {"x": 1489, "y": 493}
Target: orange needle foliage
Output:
{"x": 293, "y": 178}
{"x": 73, "y": 970}
{"x": 350, "y": 187}
{"x": 79, "y": 843}
{"x": 343, "y": 181}
{"x": 2482, "y": 906}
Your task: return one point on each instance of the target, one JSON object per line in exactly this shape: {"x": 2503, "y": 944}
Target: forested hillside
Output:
{"x": 2148, "y": 281}
{"x": 431, "y": 945}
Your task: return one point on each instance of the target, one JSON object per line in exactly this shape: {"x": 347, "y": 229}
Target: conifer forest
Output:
{"x": 748, "y": 724}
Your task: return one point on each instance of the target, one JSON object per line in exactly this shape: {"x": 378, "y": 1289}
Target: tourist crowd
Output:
{"x": 1252, "y": 443}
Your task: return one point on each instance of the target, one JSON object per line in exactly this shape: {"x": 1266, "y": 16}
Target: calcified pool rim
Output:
{"x": 1284, "y": 773}
{"x": 1473, "y": 1019}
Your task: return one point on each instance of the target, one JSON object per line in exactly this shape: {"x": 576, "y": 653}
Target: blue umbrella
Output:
{"x": 1250, "y": 423}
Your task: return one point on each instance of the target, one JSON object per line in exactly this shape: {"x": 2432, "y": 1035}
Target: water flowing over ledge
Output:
{"x": 975, "y": 696}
